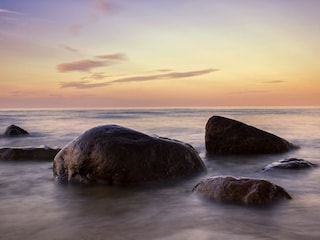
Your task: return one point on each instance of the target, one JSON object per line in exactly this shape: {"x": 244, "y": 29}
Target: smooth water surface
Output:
{"x": 34, "y": 206}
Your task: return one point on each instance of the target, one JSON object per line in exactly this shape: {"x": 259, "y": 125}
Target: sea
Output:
{"x": 33, "y": 205}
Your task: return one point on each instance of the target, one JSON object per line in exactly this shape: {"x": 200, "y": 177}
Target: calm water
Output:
{"x": 34, "y": 206}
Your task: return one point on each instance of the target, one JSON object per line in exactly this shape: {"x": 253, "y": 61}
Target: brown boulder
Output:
{"x": 241, "y": 190}
{"x": 114, "y": 154}
{"x": 28, "y": 153}
{"x": 224, "y": 135}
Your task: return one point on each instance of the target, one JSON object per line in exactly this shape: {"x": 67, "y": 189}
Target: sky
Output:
{"x": 168, "y": 53}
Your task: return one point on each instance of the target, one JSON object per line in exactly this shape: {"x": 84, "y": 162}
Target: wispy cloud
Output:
{"x": 87, "y": 64}
{"x": 15, "y": 93}
{"x": 96, "y": 10}
{"x": 163, "y": 70}
{"x": 82, "y": 84}
{"x": 96, "y": 76}
{"x": 68, "y": 48}
{"x": 141, "y": 78}
{"x": 6, "y": 11}
{"x": 12, "y": 18}
{"x": 102, "y": 5}
{"x": 275, "y": 81}
{"x": 115, "y": 56}
{"x": 82, "y": 65}
{"x": 248, "y": 92}
{"x": 75, "y": 28}
{"x": 164, "y": 76}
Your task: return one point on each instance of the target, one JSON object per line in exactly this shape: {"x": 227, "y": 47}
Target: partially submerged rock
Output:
{"x": 241, "y": 190}
{"x": 291, "y": 163}
{"x": 29, "y": 153}
{"x": 112, "y": 153}
{"x": 224, "y": 135}
{"x": 14, "y": 131}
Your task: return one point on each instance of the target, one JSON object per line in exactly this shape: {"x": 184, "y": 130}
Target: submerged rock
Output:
{"x": 14, "y": 131}
{"x": 28, "y": 153}
{"x": 241, "y": 190}
{"x": 224, "y": 135}
{"x": 112, "y": 153}
{"x": 291, "y": 163}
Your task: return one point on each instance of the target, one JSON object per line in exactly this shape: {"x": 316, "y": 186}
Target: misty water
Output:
{"x": 34, "y": 206}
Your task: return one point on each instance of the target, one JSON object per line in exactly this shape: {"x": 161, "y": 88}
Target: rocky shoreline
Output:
{"x": 115, "y": 154}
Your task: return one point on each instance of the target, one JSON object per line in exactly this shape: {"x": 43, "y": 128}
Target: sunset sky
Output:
{"x": 148, "y": 53}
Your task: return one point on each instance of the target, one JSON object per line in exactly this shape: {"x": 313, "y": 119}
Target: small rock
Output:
{"x": 245, "y": 191}
{"x": 14, "y": 131}
{"x": 291, "y": 163}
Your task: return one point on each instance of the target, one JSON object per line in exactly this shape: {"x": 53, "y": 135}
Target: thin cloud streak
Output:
{"x": 115, "y": 56}
{"x": 276, "y": 81}
{"x": 96, "y": 76}
{"x": 248, "y": 92}
{"x": 6, "y": 11}
{"x": 16, "y": 93}
{"x": 163, "y": 70}
{"x": 82, "y": 84}
{"x": 164, "y": 76}
{"x": 68, "y": 48}
{"x": 86, "y": 65}
{"x": 172, "y": 75}
{"x": 82, "y": 66}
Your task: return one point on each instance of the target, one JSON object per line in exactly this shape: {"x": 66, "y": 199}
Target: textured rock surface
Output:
{"x": 28, "y": 153}
{"x": 14, "y": 131}
{"x": 224, "y": 135}
{"x": 241, "y": 190}
{"x": 291, "y": 163}
{"x": 113, "y": 153}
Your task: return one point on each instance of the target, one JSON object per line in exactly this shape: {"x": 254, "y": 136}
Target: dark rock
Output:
{"x": 114, "y": 154}
{"x": 28, "y": 153}
{"x": 291, "y": 163}
{"x": 224, "y": 135}
{"x": 241, "y": 190}
{"x": 14, "y": 131}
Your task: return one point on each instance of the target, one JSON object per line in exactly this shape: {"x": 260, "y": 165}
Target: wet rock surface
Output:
{"x": 291, "y": 163}
{"x": 245, "y": 191}
{"x": 228, "y": 136}
{"x": 32, "y": 153}
{"x": 115, "y": 154}
{"x": 15, "y": 131}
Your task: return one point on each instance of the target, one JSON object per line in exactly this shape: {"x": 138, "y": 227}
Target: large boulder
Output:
{"x": 224, "y": 135}
{"x": 241, "y": 190}
{"x": 115, "y": 154}
{"x": 14, "y": 131}
{"x": 291, "y": 163}
{"x": 32, "y": 153}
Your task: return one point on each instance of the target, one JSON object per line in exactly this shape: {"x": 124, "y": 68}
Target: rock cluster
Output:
{"x": 115, "y": 154}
